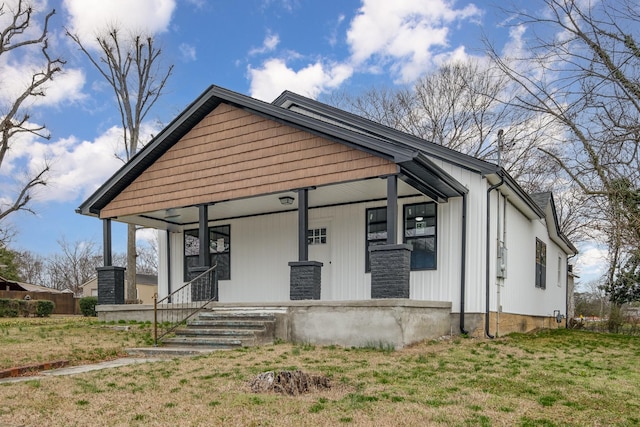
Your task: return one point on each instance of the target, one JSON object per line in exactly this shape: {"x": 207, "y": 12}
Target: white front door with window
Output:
{"x": 319, "y": 239}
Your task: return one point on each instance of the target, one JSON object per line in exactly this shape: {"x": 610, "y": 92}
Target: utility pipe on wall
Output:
{"x": 488, "y": 256}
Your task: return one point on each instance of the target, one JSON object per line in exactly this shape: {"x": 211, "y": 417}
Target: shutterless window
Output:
{"x": 219, "y": 250}
{"x": 420, "y": 232}
{"x": 317, "y": 236}
{"x": 559, "y": 270}
{"x": 376, "y": 231}
{"x": 541, "y": 264}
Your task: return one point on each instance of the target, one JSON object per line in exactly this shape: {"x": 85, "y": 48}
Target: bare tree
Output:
{"x": 32, "y": 268}
{"x": 461, "y": 106}
{"x": 14, "y": 117}
{"x": 148, "y": 257}
{"x": 74, "y": 265}
{"x": 581, "y": 70}
{"x": 131, "y": 66}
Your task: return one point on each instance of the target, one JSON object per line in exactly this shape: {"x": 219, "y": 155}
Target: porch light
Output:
{"x": 171, "y": 213}
{"x": 286, "y": 200}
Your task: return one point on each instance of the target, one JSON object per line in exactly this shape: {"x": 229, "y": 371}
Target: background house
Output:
{"x": 146, "y": 288}
{"x": 64, "y": 301}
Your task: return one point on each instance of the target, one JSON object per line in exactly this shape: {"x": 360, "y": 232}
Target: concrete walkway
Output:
{"x": 72, "y": 370}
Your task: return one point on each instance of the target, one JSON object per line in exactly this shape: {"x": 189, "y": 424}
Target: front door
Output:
{"x": 319, "y": 239}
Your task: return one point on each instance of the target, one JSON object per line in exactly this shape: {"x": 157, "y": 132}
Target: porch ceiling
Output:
{"x": 187, "y": 217}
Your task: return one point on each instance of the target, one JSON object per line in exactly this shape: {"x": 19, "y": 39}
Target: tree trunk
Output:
{"x": 131, "y": 294}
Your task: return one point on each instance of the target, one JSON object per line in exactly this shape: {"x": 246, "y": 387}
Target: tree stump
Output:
{"x": 288, "y": 382}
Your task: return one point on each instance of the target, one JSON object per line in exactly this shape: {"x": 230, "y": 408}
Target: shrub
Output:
{"x": 88, "y": 306}
{"x": 9, "y": 307}
{"x": 44, "y": 308}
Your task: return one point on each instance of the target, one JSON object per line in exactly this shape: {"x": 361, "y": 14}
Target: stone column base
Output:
{"x": 305, "y": 280}
{"x": 110, "y": 285}
{"x": 390, "y": 269}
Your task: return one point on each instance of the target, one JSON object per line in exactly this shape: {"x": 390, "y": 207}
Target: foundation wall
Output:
{"x": 508, "y": 323}
{"x": 388, "y": 322}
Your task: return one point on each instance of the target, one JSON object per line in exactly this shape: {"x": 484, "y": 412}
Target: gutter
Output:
{"x": 463, "y": 266}
{"x": 488, "y": 258}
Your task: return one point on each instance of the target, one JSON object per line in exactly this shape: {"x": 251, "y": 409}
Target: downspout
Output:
{"x": 488, "y": 257}
{"x": 463, "y": 266}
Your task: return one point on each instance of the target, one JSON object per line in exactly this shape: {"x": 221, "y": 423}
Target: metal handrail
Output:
{"x": 192, "y": 308}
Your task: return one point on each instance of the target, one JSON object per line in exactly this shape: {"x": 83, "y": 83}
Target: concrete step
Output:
{"x": 217, "y": 330}
{"x": 172, "y": 351}
{"x": 235, "y": 315}
{"x": 227, "y": 324}
{"x": 212, "y": 343}
{"x": 213, "y": 332}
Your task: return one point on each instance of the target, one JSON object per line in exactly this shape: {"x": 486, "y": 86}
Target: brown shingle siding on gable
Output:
{"x": 233, "y": 154}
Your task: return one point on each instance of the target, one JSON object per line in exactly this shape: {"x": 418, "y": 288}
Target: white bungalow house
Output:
{"x": 353, "y": 231}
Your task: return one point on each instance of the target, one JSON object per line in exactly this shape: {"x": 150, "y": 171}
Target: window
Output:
{"x": 376, "y": 231}
{"x": 317, "y": 236}
{"x": 541, "y": 264}
{"x": 559, "y": 270}
{"x": 420, "y": 233}
{"x": 219, "y": 250}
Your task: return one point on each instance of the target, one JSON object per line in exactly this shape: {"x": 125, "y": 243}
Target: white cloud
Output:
{"x": 333, "y": 36}
{"x": 404, "y": 37}
{"x": 147, "y": 236}
{"x": 515, "y": 46}
{"x": 591, "y": 262}
{"x": 403, "y": 32}
{"x": 17, "y": 67}
{"x": 275, "y": 76}
{"x": 269, "y": 44}
{"x": 187, "y": 52}
{"x": 88, "y": 18}
{"x": 77, "y": 168}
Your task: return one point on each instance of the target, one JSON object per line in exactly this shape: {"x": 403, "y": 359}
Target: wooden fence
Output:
{"x": 64, "y": 303}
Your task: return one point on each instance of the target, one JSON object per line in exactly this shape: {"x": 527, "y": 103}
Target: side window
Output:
{"x": 219, "y": 250}
{"x": 420, "y": 232}
{"x": 541, "y": 264}
{"x": 376, "y": 231}
{"x": 559, "y": 270}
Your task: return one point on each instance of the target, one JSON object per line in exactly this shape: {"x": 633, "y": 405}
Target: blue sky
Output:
{"x": 255, "y": 47}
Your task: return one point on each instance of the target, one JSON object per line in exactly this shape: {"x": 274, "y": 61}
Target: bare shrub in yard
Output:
{"x": 288, "y": 382}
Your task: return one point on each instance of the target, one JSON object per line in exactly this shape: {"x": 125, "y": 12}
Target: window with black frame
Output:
{"x": 376, "y": 231}
{"x": 541, "y": 264}
{"x": 420, "y": 232}
{"x": 219, "y": 250}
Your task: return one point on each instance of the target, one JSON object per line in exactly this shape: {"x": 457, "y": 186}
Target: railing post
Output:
{"x": 191, "y": 308}
{"x": 155, "y": 320}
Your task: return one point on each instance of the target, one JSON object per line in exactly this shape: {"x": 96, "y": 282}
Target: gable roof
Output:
{"x": 345, "y": 119}
{"x": 423, "y": 173}
{"x": 545, "y": 201}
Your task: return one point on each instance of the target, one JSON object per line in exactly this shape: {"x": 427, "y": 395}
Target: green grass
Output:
{"x": 549, "y": 378}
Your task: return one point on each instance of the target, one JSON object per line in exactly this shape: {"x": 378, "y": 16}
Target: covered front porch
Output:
{"x": 311, "y": 243}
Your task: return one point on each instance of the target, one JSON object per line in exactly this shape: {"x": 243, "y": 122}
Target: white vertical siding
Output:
{"x": 261, "y": 248}
{"x": 444, "y": 283}
{"x": 519, "y": 294}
